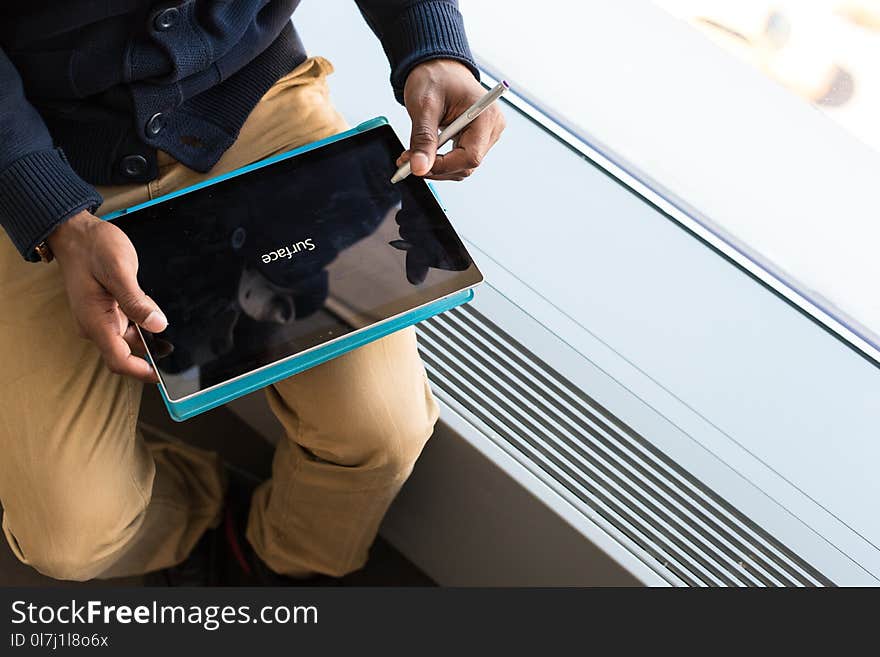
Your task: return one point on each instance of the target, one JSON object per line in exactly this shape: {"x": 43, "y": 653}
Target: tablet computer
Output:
{"x": 281, "y": 265}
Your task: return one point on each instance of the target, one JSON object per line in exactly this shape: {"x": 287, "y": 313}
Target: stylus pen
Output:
{"x": 459, "y": 124}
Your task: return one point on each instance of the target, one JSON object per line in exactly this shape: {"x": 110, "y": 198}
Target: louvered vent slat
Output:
{"x": 612, "y": 470}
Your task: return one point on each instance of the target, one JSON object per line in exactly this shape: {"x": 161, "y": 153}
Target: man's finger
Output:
{"x": 137, "y": 306}
{"x": 457, "y": 176}
{"x": 471, "y": 147}
{"x": 161, "y": 348}
{"x": 134, "y": 341}
{"x": 498, "y": 126}
{"x": 104, "y": 332}
{"x": 425, "y": 115}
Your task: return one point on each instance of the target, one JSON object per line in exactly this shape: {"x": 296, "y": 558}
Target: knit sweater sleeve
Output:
{"x": 38, "y": 188}
{"x": 413, "y": 32}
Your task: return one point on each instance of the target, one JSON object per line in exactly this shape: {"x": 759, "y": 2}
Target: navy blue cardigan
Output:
{"x": 89, "y": 90}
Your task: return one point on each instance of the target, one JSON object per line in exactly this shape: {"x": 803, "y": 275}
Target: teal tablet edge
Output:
{"x": 187, "y": 408}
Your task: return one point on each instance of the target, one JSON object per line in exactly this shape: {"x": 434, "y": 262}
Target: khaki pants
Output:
{"x": 85, "y": 494}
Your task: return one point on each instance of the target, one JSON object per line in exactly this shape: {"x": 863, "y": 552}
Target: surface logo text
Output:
{"x": 289, "y": 251}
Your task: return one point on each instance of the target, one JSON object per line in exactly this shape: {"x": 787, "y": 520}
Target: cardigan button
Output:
{"x": 166, "y": 19}
{"x": 134, "y": 166}
{"x": 155, "y": 124}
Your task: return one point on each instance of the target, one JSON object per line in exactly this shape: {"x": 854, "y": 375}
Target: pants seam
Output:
{"x": 132, "y": 421}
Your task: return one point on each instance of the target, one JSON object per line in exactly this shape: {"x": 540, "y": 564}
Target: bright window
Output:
{"x": 646, "y": 82}
{"x": 825, "y": 51}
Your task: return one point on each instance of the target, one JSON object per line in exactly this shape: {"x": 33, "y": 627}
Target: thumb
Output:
{"x": 423, "y": 141}
{"x": 135, "y": 303}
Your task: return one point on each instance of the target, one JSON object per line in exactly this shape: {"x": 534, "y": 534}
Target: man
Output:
{"x": 105, "y": 105}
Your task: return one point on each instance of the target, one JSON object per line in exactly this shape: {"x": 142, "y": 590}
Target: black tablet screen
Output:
{"x": 270, "y": 263}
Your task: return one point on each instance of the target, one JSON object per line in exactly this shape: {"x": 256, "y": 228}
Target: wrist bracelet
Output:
{"x": 44, "y": 252}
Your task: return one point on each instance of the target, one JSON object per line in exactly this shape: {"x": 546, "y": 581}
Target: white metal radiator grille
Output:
{"x": 609, "y": 470}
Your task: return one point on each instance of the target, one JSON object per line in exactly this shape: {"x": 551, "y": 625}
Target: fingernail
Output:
{"x": 156, "y": 322}
{"x": 419, "y": 163}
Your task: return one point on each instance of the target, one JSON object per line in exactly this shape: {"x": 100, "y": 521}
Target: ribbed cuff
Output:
{"x": 38, "y": 192}
{"x": 426, "y": 30}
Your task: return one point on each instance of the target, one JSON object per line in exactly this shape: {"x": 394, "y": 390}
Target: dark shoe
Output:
{"x": 198, "y": 569}
{"x": 224, "y": 557}
{"x": 206, "y": 564}
{"x": 239, "y": 564}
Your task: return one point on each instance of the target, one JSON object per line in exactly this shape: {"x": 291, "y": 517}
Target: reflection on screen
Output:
{"x": 268, "y": 264}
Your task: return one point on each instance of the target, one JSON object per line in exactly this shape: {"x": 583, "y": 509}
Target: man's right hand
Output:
{"x": 99, "y": 266}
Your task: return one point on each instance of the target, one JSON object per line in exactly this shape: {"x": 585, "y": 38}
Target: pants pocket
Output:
{"x": 314, "y": 69}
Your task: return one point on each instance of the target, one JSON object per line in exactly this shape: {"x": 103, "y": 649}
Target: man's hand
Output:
{"x": 436, "y": 93}
{"x": 99, "y": 266}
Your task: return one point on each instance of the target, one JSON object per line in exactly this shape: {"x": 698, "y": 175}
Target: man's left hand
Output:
{"x": 436, "y": 93}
